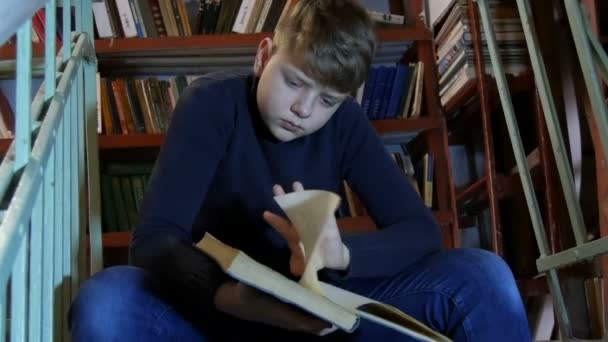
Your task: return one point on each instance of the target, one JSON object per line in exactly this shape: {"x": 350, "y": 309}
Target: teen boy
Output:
{"x": 237, "y": 140}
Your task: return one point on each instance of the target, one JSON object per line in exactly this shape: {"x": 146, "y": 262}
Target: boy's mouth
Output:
{"x": 289, "y": 126}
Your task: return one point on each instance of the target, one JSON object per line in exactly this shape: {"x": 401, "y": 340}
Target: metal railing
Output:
{"x": 49, "y": 213}
{"x": 591, "y": 56}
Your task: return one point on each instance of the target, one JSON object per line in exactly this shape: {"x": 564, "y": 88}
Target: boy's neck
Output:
{"x": 260, "y": 127}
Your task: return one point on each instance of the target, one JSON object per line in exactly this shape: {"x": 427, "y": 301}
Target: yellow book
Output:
{"x": 312, "y": 211}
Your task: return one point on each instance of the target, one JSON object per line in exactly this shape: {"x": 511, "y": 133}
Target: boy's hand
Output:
{"x": 333, "y": 252}
{"x": 245, "y": 302}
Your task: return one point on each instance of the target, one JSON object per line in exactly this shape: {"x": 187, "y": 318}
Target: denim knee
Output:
{"x": 491, "y": 277}
{"x": 105, "y": 297}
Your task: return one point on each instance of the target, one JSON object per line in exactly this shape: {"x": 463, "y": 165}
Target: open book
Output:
{"x": 311, "y": 212}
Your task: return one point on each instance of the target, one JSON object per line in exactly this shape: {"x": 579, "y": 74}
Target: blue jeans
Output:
{"x": 467, "y": 294}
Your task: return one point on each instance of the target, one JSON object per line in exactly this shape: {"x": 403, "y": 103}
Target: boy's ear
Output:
{"x": 265, "y": 49}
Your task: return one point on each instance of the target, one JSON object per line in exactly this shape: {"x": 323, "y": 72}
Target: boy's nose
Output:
{"x": 302, "y": 107}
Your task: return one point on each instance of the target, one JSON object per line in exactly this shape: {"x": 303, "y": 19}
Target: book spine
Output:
{"x": 137, "y": 17}
{"x": 240, "y": 24}
{"x": 102, "y": 20}
{"x": 126, "y": 18}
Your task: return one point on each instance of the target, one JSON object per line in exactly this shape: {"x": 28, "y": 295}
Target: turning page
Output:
{"x": 312, "y": 213}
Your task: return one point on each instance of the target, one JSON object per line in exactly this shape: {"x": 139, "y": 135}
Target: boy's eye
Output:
{"x": 327, "y": 102}
{"x": 292, "y": 83}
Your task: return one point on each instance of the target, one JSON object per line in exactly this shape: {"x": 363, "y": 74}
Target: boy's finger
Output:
{"x": 277, "y": 190}
{"x": 296, "y": 264}
{"x": 283, "y": 226}
{"x": 297, "y": 186}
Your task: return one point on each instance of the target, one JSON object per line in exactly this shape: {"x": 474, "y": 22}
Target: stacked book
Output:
{"x": 132, "y": 105}
{"x": 419, "y": 174}
{"x": 392, "y": 91}
{"x": 179, "y": 18}
{"x": 122, "y": 190}
{"x": 455, "y": 52}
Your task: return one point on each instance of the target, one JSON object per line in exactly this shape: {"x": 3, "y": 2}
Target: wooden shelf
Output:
{"x": 404, "y": 33}
{"x": 392, "y": 126}
{"x": 384, "y": 127}
{"x": 471, "y": 191}
{"x": 109, "y": 46}
{"x": 466, "y": 93}
{"x": 122, "y": 45}
{"x": 463, "y": 94}
{"x": 118, "y": 141}
{"x": 361, "y": 224}
{"x": 4, "y": 145}
{"x": 111, "y": 142}
{"x": 116, "y": 239}
{"x": 475, "y": 196}
{"x": 8, "y": 51}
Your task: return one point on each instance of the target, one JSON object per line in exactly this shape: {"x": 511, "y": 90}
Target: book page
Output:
{"x": 243, "y": 268}
{"x": 381, "y": 313}
{"x": 312, "y": 213}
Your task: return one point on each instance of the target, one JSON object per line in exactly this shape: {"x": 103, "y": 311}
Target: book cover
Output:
{"x": 312, "y": 212}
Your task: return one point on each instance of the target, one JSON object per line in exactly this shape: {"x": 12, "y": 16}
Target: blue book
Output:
{"x": 382, "y": 75}
{"x": 397, "y": 90}
{"x": 386, "y": 93}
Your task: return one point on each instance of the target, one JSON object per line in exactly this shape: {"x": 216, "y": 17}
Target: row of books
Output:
{"x": 128, "y": 105}
{"x": 419, "y": 176}
{"x": 123, "y": 186}
{"x": 145, "y": 105}
{"x": 7, "y": 117}
{"x": 454, "y": 43}
{"x": 141, "y": 18}
{"x": 180, "y": 18}
{"x": 122, "y": 191}
{"x": 392, "y": 91}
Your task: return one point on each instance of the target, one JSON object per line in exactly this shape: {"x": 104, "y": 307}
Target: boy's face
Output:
{"x": 291, "y": 103}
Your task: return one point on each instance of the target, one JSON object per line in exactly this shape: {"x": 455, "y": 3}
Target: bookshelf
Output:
{"x": 351, "y": 224}
{"x": 393, "y": 126}
{"x": 598, "y": 15}
{"x": 105, "y": 46}
{"x": 128, "y": 141}
{"x": 499, "y": 189}
{"x": 150, "y": 46}
{"x": 109, "y": 142}
{"x": 476, "y": 103}
{"x": 153, "y": 56}
{"x": 475, "y": 106}
{"x": 465, "y": 102}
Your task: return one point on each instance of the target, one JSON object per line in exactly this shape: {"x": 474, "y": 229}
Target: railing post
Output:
{"x": 48, "y": 268}
{"x": 42, "y": 237}
{"x": 67, "y": 32}
{"x": 590, "y": 73}
{"x": 49, "y": 49}
{"x": 92, "y": 152}
{"x": 22, "y": 143}
{"x": 35, "y": 264}
{"x": 23, "y": 125}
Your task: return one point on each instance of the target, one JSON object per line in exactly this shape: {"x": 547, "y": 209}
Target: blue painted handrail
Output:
{"x": 48, "y": 228}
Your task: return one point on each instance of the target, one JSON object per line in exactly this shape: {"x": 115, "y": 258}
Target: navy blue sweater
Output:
{"x": 215, "y": 173}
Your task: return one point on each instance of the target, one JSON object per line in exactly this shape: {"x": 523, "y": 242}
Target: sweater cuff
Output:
{"x": 354, "y": 266}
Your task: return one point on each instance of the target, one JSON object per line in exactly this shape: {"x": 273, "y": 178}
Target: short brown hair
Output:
{"x": 335, "y": 37}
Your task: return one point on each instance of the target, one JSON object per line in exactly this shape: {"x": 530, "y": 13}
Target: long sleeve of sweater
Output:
{"x": 407, "y": 229}
{"x": 162, "y": 239}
